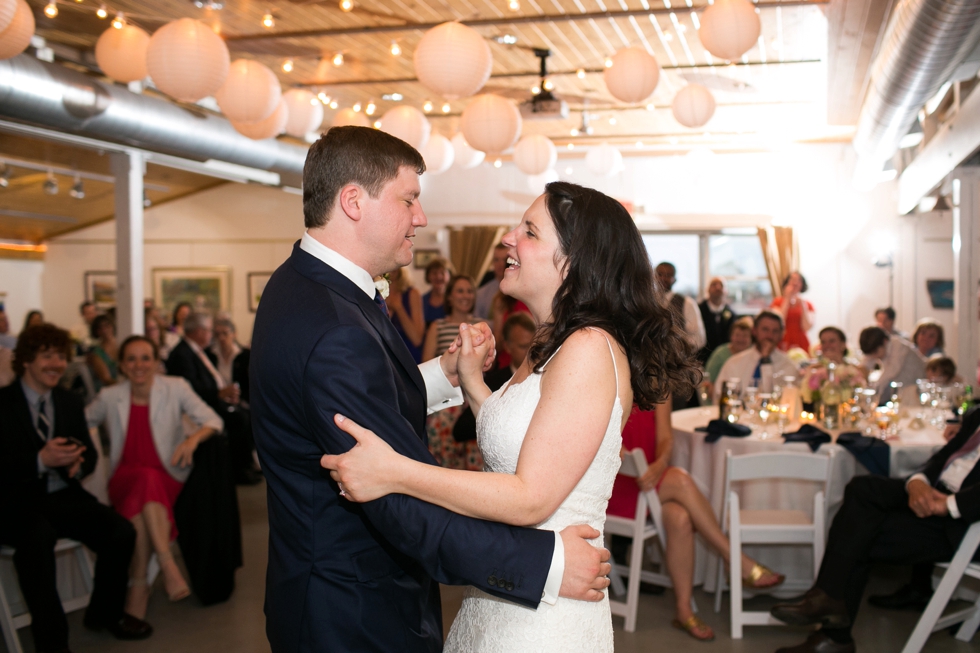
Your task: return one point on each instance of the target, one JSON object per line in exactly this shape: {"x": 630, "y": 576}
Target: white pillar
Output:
{"x": 128, "y": 168}
{"x": 964, "y": 344}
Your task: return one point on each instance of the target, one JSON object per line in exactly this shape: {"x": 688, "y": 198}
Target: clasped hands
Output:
{"x": 926, "y": 501}
{"x": 61, "y": 452}
{"x": 457, "y": 363}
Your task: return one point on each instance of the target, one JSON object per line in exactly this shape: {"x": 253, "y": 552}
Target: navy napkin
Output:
{"x": 809, "y": 434}
{"x": 873, "y": 453}
{"x": 717, "y": 428}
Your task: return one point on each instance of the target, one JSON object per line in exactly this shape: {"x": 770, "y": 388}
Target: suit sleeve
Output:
{"x": 347, "y": 374}
{"x": 79, "y": 430}
{"x": 179, "y": 364}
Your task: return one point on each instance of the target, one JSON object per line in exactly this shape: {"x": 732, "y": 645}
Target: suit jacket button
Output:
{"x": 492, "y": 581}
{"x": 510, "y": 587}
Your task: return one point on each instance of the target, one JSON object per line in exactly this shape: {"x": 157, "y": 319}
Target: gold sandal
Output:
{"x": 757, "y": 573}
{"x": 693, "y": 626}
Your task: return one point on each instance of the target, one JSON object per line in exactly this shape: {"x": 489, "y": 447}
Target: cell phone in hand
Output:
{"x": 75, "y": 441}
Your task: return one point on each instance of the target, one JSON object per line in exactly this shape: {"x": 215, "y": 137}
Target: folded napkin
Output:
{"x": 873, "y": 453}
{"x": 809, "y": 434}
{"x": 718, "y": 427}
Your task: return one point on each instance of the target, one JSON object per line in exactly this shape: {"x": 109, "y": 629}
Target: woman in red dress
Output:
{"x": 797, "y": 313}
{"x": 150, "y": 457}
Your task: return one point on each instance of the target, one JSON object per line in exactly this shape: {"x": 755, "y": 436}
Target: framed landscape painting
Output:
{"x": 256, "y": 285}
{"x": 423, "y": 257}
{"x": 206, "y": 289}
{"x": 100, "y": 288}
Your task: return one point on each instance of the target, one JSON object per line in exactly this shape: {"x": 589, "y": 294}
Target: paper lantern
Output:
{"x": 491, "y": 124}
{"x": 186, "y": 60}
{"x": 268, "y": 128}
{"x": 604, "y": 160}
{"x": 438, "y": 154}
{"x": 8, "y": 9}
{"x": 408, "y": 124}
{"x": 693, "y": 105}
{"x": 633, "y": 75}
{"x": 305, "y": 112}
{"x": 346, "y": 117}
{"x": 536, "y": 183}
{"x": 250, "y": 93}
{"x": 534, "y": 154}
{"x": 453, "y": 60}
{"x": 465, "y": 156}
{"x": 121, "y": 53}
{"x": 729, "y": 28}
{"x": 17, "y": 36}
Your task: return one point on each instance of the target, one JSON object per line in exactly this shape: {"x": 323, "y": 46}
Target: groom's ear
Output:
{"x": 351, "y": 198}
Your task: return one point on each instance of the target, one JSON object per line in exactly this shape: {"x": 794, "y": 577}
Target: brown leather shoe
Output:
{"x": 819, "y": 643}
{"x": 814, "y": 608}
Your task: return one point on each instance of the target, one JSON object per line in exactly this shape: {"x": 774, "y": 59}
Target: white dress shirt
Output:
{"x": 953, "y": 477}
{"x": 742, "y": 366}
{"x": 693, "y": 324}
{"x": 440, "y": 392}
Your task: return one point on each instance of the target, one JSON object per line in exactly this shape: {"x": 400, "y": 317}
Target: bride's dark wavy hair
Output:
{"x": 609, "y": 284}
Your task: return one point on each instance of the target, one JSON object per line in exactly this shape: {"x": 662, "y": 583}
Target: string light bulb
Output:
{"x": 377, "y": 124}
{"x": 548, "y": 85}
{"x": 77, "y": 189}
{"x": 346, "y": 5}
{"x": 334, "y": 104}
{"x": 356, "y": 107}
{"x": 571, "y": 146}
{"x": 514, "y": 5}
{"x": 446, "y": 108}
{"x": 324, "y": 98}
{"x": 338, "y": 59}
{"x": 396, "y": 50}
{"x": 101, "y": 12}
{"x": 573, "y": 132}
{"x": 427, "y": 107}
{"x": 287, "y": 66}
{"x": 268, "y": 21}
{"x": 535, "y": 90}
{"x": 370, "y": 108}
{"x": 119, "y": 21}
{"x": 580, "y": 73}
{"x": 51, "y": 10}
{"x": 608, "y": 62}
{"x": 497, "y": 163}
{"x": 612, "y": 120}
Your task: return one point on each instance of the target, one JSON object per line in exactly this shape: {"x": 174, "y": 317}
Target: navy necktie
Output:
{"x": 379, "y": 300}
{"x": 43, "y": 425}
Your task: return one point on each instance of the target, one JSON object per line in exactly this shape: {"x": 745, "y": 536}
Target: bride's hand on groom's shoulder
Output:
{"x": 369, "y": 470}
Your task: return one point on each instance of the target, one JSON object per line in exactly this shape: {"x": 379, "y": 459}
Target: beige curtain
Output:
{"x": 471, "y": 249}
{"x": 782, "y": 254}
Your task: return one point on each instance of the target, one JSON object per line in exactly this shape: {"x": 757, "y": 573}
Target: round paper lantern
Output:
{"x": 8, "y": 8}
{"x": 121, "y": 53}
{"x": 453, "y": 60}
{"x": 465, "y": 156}
{"x": 250, "y": 93}
{"x": 536, "y": 183}
{"x": 729, "y": 28}
{"x": 534, "y": 154}
{"x": 186, "y": 60}
{"x": 17, "y": 36}
{"x": 305, "y": 112}
{"x": 693, "y": 105}
{"x": 633, "y": 75}
{"x": 408, "y": 124}
{"x": 268, "y": 128}
{"x": 346, "y": 117}
{"x": 604, "y": 161}
{"x": 438, "y": 154}
{"x": 491, "y": 124}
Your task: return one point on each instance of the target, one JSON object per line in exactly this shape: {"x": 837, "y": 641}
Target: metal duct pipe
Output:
{"x": 924, "y": 42}
{"x": 53, "y": 96}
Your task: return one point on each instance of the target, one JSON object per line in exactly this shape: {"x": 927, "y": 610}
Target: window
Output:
{"x": 683, "y": 251}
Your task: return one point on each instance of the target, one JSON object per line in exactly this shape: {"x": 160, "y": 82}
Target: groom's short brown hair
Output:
{"x": 345, "y": 155}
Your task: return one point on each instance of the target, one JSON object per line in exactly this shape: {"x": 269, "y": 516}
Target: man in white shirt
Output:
{"x": 685, "y": 306}
{"x": 489, "y": 290}
{"x": 757, "y": 365}
{"x": 900, "y": 361}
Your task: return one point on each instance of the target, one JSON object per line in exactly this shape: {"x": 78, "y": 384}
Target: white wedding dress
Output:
{"x": 486, "y": 624}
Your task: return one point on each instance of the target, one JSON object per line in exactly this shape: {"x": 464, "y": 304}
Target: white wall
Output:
{"x": 21, "y": 281}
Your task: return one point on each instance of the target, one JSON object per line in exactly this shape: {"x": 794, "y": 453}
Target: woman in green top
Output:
{"x": 102, "y": 357}
{"x": 740, "y": 339}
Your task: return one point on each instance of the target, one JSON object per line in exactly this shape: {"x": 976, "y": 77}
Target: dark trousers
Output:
{"x": 33, "y": 532}
{"x": 875, "y": 524}
{"x": 238, "y": 428}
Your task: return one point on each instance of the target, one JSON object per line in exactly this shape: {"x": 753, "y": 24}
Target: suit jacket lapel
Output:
{"x": 24, "y": 415}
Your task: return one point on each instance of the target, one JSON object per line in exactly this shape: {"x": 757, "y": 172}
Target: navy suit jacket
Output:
{"x": 345, "y": 576}
{"x": 968, "y": 498}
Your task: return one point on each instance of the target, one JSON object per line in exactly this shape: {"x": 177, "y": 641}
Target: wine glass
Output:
{"x": 867, "y": 399}
{"x": 766, "y": 407}
{"x": 750, "y": 397}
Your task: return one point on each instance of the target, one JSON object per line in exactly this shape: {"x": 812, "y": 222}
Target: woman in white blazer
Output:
{"x": 150, "y": 457}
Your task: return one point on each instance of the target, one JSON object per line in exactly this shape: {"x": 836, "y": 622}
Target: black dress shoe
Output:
{"x": 814, "y": 608}
{"x": 127, "y": 627}
{"x": 906, "y": 597}
{"x": 819, "y": 643}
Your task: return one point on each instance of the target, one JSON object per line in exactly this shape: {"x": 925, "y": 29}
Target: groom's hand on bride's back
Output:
{"x": 587, "y": 568}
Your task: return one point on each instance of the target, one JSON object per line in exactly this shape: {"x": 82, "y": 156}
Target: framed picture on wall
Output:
{"x": 424, "y": 256}
{"x": 3, "y": 300}
{"x": 100, "y": 288}
{"x": 206, "y": 289}
{"x": 940, "y": 292}
{"x": 256, "y": 285}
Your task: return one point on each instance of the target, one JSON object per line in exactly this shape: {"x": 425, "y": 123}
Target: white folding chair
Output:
{"x": 770, "y": 526}
{"x": 930, "y": 620}
{"x": 13, "y": 610}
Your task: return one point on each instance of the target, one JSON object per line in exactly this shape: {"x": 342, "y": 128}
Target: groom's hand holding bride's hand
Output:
{"x": 368, "y": 470}
{"x": 587, "y": 568}
{"x": 480, "y": 333}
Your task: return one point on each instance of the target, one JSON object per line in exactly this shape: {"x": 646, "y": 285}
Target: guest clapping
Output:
{"x": 405, "y": 308}
{"x": 101, "y": 357}
{"x": 929, "y": 338}
{"x": 797, "y": 313}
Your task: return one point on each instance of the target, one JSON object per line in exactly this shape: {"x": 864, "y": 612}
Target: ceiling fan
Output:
{"x": 543, "y": 105}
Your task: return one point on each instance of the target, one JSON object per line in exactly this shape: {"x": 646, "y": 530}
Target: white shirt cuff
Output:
{"x": 917, "y": 477}
{"x": 954, "y": 510}
{"x": 440, "y": 392}
{"x": 552, "y": 586}
{"x": 42, "y": 469}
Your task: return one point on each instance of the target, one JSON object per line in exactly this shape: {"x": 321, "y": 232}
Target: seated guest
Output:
{"x": 899, "y": 360}
{"x": 181, "y": 312}
{"x": 501, "y": 310}
{"x": 34, "y": 318}
{"x": 797, "y": 313}
{"x": 747, "y": 366}
{"x": 232, "y": 359}
{"x": 101, "y": 357}
{"x": 685, "y": 512}
{"x": 405, "y": 309}
{"x": 437, "y": 275}
{"x": 153, "y": 329}
{"x": 45, "y": 449}
{"x": 150, "y": 458}
{"x": 928, "y": 338}
{"x": 894, "y": 521}
{"x": 6, "y": 340}
{"x": 190, "y": 360}
{"x": 942, "y": 370}
{"x": 81, "y": 333}
{"x": 718, "y": 318}
{"x": 832, "y": 349}
{"x": 739, "y": 339}
{"x": 885, "y": 318}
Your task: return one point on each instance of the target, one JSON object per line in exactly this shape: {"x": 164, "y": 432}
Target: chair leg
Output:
{"x": 633, "y": 590}
{"x": 969, "y": 627}
{"x": 9, "y": 632}
{"x": 735, "y": 567}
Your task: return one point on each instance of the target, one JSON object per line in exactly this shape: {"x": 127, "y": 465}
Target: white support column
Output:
{"x": 128, "y": 168}
{"x": 963, "y": 345}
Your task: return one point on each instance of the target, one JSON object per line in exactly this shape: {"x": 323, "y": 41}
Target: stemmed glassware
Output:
{"x": 866, "y": 399}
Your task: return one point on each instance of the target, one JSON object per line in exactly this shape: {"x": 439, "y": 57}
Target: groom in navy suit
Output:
{"x": 364, "y": 577}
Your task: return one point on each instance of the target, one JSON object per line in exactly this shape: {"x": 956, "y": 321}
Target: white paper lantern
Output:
{"x": 305, "y": 112}
{"x": 633, "y": 75}
{"x": 408, "y": 124}
{"x": 438, "y": 154}
{"x": 536, "y": 183}
{"x": 729, "y": 28}
{"x": 121, "y": 53}
{"x": 693, "y": 105}
{"x": 534, "y": 154}
{"x": 604, "y": 160}
{"x": 346, "y": 117}
{"x": 268, "y": 128}
{"x": 491, "y": 124}
{"x": 453, "y": 60}
{"x": 250, "y": 93}
{"x": 186, "y": 60}
{"x": 8, "y": 8}
{"x": 17, "y": 36}
{"x": 465, "y": 156}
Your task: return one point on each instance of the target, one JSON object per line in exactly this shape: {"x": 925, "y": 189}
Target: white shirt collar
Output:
{"x": 358, "y": 275}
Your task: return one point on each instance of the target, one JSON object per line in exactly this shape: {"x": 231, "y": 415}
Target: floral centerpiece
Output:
{"x": 848, "y": 375}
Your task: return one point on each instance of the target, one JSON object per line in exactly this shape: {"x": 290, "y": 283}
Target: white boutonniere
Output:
{"x": 726, "y": 315}
{"x": 382, "y": 285}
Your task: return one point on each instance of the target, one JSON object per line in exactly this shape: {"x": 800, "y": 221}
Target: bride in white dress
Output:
{"x": 551, "y": 435}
